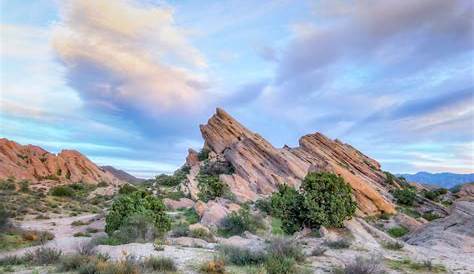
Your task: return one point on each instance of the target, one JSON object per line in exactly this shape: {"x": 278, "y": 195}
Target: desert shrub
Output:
{"x": 430, "y": 216}
{"x": 181, "y": 230}
{"x": 362, "y": 265}
{"x": 397, "y": 231}
{"x": 167, "y": 180}
{"x": 92, "y": 230}
{"x": 137, "y": 203}
{"x": 86, "y": 248}
{"x": 24, "y": 185}
{"x": 280, "y": 265}
{"x": 160, "y": 264}
{"x": 339, "y": 243}
{"x": 8, "y": 185}
{"x": 191, "y": 216}
{"x": 405, "y": 196}
{"x": 210, "y": 187}
{"x": 217, "y": 168}
{"x": 78, "y": 223}
{"x": 327, "y": 200}
{"x": 137, "y": 228}
{"x": 201, "y": 233}
{"x": 102, "y": 184}
{"x": 215, "y": 266}
{"x": 81, "y": 234}
{"x": 287, "y": 205}
{"x": 264, "y": 205}
{"x": 12, "y": 260}
{"x": 3, "y": 217}
{"x": 318, "y": 251}
{"x": 434, "y": 194}
{"x": 203, "y": 154}
{"x": 43, "y": 256}
{"x": 72, "y": 262}
{"x": 241, "y": 256}
{"x": 238, "y": 222}
{"x": 62, "y": 191}
{"x": 127, "y": 189}
{"x": 393, "y": 245}
{"x": 285, "y": 248}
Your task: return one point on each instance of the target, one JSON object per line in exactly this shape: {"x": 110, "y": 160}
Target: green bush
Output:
{"x": 278, "y": 265}
{"x": 8, "y": 185}
{"x": 287, "y": 205}
{"x": 405, "y": 196}
{"x": 191, "y": 215}
{"x": 327, "y": 200}
{"x": 264, "y": 205}
{"x": 137, "y": 203}
{"x": 397, "y": 231}
{"x": 24, "y": 186}
{"x": 210, "y": 187}
{"x": 137, "y": 228}
{"x": 167, "y": 180}
{"x": 241, "y": 256}
{"x": 324, "y": 199}
{"x": 127, "y": 189}
{"x": 160, "y": 264}
{"x": 237, "y": 223}
{"x": 62, "y": 191}
{"x": 3, "y": 217}
{"x": 434, "y": 195}
{"x": 203, "y": 154}
{"x": 430, "y": 216}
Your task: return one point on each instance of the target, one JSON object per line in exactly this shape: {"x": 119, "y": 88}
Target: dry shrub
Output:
{"x": 216, "y": 266}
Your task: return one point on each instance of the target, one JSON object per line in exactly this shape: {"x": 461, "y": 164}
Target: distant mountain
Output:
{"x": 44, "y": 169}
{"x": 122, "y": 175}
{"x": 444, "y": 179}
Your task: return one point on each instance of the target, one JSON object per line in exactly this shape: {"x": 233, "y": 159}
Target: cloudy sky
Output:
{"x": 128, "y": 82}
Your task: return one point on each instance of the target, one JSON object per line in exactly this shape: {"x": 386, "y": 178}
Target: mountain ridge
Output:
{"x": 442, "y": 179}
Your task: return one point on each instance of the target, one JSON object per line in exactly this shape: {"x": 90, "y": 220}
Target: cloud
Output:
{"x": 123, "y": 57}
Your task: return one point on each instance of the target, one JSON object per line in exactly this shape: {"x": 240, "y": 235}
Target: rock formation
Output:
{"x": 260, "y": 167}
{"x": 44, "y": 169}
{"x": 122, "y": 175}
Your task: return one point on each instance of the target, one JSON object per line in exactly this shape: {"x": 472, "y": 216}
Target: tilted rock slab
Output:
{"x": 260, "y": 167}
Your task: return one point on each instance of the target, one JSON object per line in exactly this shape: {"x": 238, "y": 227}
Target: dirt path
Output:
{"x": 63, "y": 232}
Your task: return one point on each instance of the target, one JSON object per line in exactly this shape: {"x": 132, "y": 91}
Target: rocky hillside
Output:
{"x": 259, "y": 167}
{"x": 122, "y": 175}
{"x": 45, "y": 169}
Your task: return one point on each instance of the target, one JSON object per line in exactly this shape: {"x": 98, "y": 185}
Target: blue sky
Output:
{"x": 128, "y": 82}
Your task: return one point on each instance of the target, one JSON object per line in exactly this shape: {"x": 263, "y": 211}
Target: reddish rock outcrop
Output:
{"x": 260, "y": 167}
{"x": 46, "y": 169}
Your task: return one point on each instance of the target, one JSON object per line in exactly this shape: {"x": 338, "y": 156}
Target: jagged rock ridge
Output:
{"x": 260, "y": 167}
{"x": 46, "y": 169}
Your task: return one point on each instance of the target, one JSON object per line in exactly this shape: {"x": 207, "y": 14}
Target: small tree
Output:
{"x": 405, "y": 196}
{"x": 327, "y": 200}
{"x": 287, "y": 204}
{"x": 137, "y": 203}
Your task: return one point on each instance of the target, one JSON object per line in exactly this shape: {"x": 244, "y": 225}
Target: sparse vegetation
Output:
{"x": 241, "y": 256}
{"x": 62, "y": 191}
{"x": 393, "y": 245}
{"x": 160, "y": 264}
{"x": 430, "y": 216}
{"x": 435, "y": 194}
{"x": 362, "y": 265}
{"x": 210, "y": 187}
{"x": 43, "y": 256}
{"x": 339, "y": 243}
{"x": 127, "y": 189}
{"x": 397, "y": 231}
{"x": 203, "y": 154}
{"x": 425, "y": 266}
{"x": 405, "y": 196}
{"x": 237, "y": 223}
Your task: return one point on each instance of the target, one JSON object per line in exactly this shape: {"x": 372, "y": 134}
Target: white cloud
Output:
{"x": 129, "y": 56}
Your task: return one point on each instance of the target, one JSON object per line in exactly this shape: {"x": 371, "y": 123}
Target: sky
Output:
{"x": 127, "y": 83}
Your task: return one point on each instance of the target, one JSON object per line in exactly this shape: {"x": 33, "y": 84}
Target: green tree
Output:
{"x": 137, "y": 203}
{"x": 327, "y": 200}
{"x": 287, "y": 204}
{"x": 405, "y": 196}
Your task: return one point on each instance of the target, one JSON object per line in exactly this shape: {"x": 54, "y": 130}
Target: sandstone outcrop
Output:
{"x": 45, "y": 169}
{"x": 259, "y": 167}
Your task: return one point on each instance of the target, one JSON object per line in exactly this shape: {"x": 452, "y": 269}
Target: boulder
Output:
{"x": 178, "y": 204}
{"x": 189, "y": 242}
{"x": 199, "y": 226}
{"x": 215, "y": 211}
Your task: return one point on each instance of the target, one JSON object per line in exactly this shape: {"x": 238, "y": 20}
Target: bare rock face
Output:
{"x": 260, "y": 167}
{"x": 44, "y": 169}
{"x": 213, "y": 212}
{"x": 178, "y": 204}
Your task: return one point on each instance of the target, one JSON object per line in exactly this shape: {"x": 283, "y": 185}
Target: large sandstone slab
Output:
{"x": 260, "y": 167}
